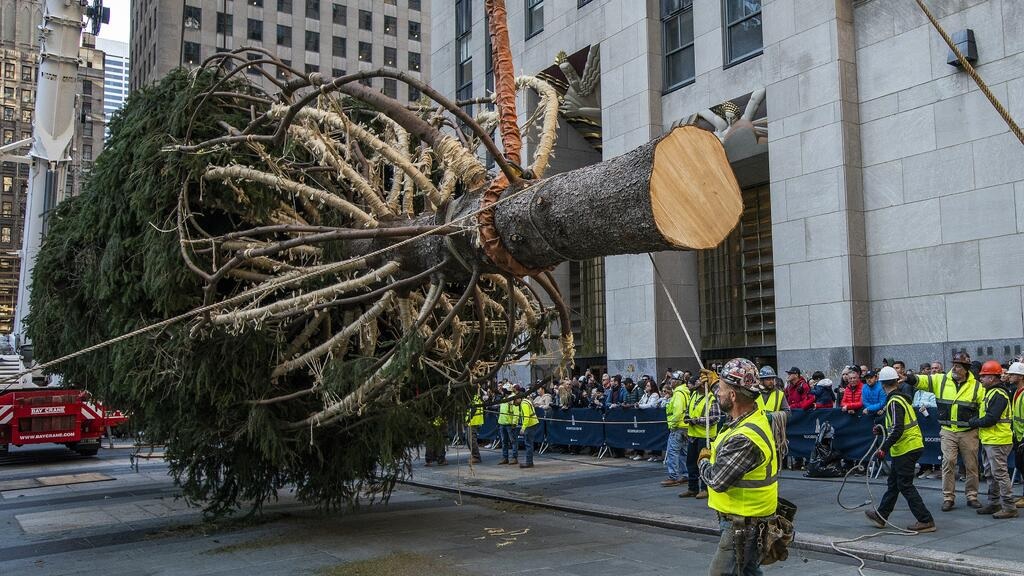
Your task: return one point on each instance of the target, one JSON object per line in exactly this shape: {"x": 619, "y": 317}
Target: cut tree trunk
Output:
{"x": 674, "y": 193}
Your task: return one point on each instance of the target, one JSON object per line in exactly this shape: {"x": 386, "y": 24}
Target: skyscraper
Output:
{"x": 325, "y": 36}
{"x": 115, "y": 77}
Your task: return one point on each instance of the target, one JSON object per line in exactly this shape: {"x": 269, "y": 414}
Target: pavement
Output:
{"x": 134, "y": 524}
{"x": 965, "y": 542}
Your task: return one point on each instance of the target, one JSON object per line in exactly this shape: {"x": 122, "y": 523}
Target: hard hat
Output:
{"x": 962, "y": 358}
{"x": 767, "y": 372}
{"x": 677, "y": 375}
{"x": 742, "y": 373}
{"x": 1016, "y": 368}
{"x": 582, "y": 378}
{"x": 991, "y": 368}
{"x": 888, "y": 373}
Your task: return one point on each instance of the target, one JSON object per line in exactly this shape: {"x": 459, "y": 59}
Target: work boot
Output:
{"x": 875, "y": 518}
{"x": 702, "y": 495}
{"x": 1019, "y": 503}
{"x": 688, "y": 494}
{"x": 503, "y": 461}
{"x": 476, "y": 460}
{"x": 530, "y": 465}
{"x": 442, "y": 463}
{"x": 670, "y": 482}
{"x": 990, "y": 509}
{"x": 922, "y": 527}
{"x": 1003, "y": 514}
{"x": 513, "y": 461}
{"x": 947, "y": 505}
{"x": 973, "y": 503}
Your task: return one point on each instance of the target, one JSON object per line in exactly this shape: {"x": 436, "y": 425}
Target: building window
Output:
{"x": 190, "y": 52}
{"x": 312, "y": 68}
{"x": 9, "y": 92}
{"x": 313, "y": 9}
{"x": 414, "y": 31}
{"x": 282, "y": 72}
{"x": 337, "y": 72}
{"x": 463, "y": 53}
{"x": 26, "y": 96}
{"x": 8, "y": 113}
{"x": 254, "y": 30}
{"x": 256, "y": 3}
{"x": 582, "y": 3}
{"x": 9, "y": 70}
{"x": 225, "y": 24}
{"x": 414, "y": 61}
{"x": 677, "y": 28}
{"x": 88, "y": 130}
{"x": 414, "y": 94}
{"x": 365, "y": 20}
{"x": 253, "y": 56}
{"x": 390, "y": 26}
{"x": 414, "y": 5}
{"x": 390, "y": 88}
{"x": 193, "y": 17}
{"x": 338, "y": 47}
{"x": 8, "y": 184}
{"x": 284, "y": 35}
{"x": 365, "y": 52}
{"x": 737, "y": 283}
{"x": 285, "y": 6}
{"x": 87, "y": 152}
{"x": 26, "y": 73}
{"x": 312, "y": 41}
{"x": 390, "y": 57}
{"x": 339, "y": 14}
{"x": 742, "y": 29}
{"x": 8, "y": 136}
{"x": 5, "y": 234}
{"x": 587, "y": 303}
{"x": 534, "y": 17}
{"x": 6, "y": 208}
{"x": 26, "y": 116}
{"x": 87, "y": 87}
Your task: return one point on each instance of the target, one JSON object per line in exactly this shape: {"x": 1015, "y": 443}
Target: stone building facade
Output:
{"x": 884, "y": 211}
{"x": 19, "y": 44}
{"x": 331, "y": 37}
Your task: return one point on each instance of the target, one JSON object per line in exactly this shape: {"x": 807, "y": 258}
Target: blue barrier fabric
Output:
{"x": 489, "y": 429}
{"x": 636, "y": 429}
{"x": 853, "y": 434}
{"x": 576, "y": 427}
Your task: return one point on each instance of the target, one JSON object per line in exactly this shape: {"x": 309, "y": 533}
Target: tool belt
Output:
{"x": 778, "y": 533}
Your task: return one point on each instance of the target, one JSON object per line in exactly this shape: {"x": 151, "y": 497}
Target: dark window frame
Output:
{"x": 463, "y": 39}
{"x": 339, "y": 14}
{"x": 253, "y": 25}
{"x": 419, "y": 31}
{"x": 225, "y": 23}
{"x": 729, "y": 58}
{"x": 336, "y": 42}
{"x": 531, "y": 17}
{"x": 285, "y": 6}
{"x": 313, "y": 9}
{"x": 312, "y": 41}
{"x": 369, "y": 48}
{"x": 668, "y": 14}
{"x": 284, "y": 33}
{"x": 366, "y": 16}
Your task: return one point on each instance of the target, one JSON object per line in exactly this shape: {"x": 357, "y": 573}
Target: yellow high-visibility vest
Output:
{"x": 998, "y": 434}
{"x": 700, "y": 406}
{"x": 756, "y": 494}
{"x": 911, "y": 438}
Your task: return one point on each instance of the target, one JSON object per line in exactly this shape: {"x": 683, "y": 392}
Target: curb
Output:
{"x": 935, "y": 560}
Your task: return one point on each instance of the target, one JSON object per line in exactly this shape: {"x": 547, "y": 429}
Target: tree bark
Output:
{"x": 675, "y": 193}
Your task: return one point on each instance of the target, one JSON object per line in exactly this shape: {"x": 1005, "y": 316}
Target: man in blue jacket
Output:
{"x": 873, "y": 395}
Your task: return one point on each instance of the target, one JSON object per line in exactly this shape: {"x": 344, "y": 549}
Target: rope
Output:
{"x": 878, "y": 441}
{"x": 679, "y": 317}
{"x": 249, "y": 294}
{"x": 973, "y": 73}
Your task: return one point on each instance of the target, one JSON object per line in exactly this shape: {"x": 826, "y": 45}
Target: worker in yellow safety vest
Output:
{"x": 905, "y": 443}
{"x": 508, "y": 417}
{"x": 675, "y": 449}
{"x": 702, "y": 416}
{"x": 1015, "y": 378}
{"x": 996, "y": 436}
{"x": 529, "y": 428}
{"x": 474, "y": 420}
{"x": 958, "y": 398}
{"x": 741, "y": 472}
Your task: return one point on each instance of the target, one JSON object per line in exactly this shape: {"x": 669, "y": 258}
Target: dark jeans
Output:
{"x": 693, "y": 448}
{"x": 471, "y": 440}
{"x": 901, "y": 481}
{"x": 509, "y": 439}
{"x": 724, "y": 562}
{"x": 529, "y": 437}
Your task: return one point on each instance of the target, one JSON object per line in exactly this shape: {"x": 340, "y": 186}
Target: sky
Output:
{"x": 120, "y": 16}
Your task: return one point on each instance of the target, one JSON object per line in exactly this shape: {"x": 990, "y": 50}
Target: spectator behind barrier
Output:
{"x": 872, "y": 394}
{"x": 798, "y": 391}
{"x": 631, "y": 398}
{"x": 824, "y": 396}
{"x": 651, "y": 397}
{"x": 850, "y": 401}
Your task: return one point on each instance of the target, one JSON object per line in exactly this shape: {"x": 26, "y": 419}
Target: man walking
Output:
{"x": 474, "y": 420}
{"x": 741, "y": 472}
{"x": 508, "y": 417}
{"x": 905, "y": 443}
{"x": 702, "y": 416}
{"x": 958, "y": 398}
{"x": 675, "y": 450}
{"x": 996, "y": 437}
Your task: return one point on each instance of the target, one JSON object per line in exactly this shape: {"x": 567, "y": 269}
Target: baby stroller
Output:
{"x": 826, "y": 461}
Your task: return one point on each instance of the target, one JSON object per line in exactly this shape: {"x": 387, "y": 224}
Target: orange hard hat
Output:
{"x": 992, "y": 368}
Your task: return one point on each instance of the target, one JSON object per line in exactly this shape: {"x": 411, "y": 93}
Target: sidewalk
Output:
{"x": 965, "y": 542}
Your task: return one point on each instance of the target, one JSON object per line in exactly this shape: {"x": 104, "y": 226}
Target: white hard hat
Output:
{"x": 1016, "y": 368}
{"x": 677, "y": 375}
{"x": 888, "y": 373}
{"x": 508, "y": 386}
